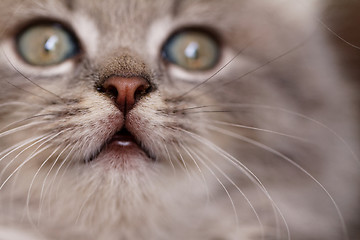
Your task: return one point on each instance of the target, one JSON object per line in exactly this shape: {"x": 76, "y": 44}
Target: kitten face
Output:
{"x": 172, "y": 120}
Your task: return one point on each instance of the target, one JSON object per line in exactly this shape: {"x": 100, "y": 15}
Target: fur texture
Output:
{"x": 263, "y": 148}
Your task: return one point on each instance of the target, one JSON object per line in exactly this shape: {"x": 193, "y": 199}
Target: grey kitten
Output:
{"x": 173, "y": 120}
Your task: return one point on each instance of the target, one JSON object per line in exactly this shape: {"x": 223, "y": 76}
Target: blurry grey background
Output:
{"x": 343, "y": 17}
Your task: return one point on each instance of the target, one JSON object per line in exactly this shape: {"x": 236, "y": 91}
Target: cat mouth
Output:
{"x": 122, "y": 147}
{"x": 124, "y": 139}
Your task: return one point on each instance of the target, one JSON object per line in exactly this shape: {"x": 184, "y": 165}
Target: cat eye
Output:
{"x": 46, "y": 44}
{"x": 192, "y": 50}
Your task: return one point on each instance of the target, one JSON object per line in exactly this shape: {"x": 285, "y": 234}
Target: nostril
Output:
{"x": 112, "y": 92}
{"x": 126, "y": 91}
{"x": 141, "y": 91}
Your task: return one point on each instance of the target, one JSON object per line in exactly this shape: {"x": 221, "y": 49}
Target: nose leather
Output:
{"x": 126, "y": 91}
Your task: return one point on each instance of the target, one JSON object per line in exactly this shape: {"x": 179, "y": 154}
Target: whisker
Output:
{"x": 257, "y": 129}
{"x": 23, "y": 127}
{"x": 198, "y": 168}
{"x": 240, "y": 166}
{"x": 47, "y": 139}
{"x": 222, "y": 185}
{"x": 171, "y": 162}
{"x": 192, "y": 108}
{"x": 12, "y": 189}
{"x": 33, "y": 180}
{"x": 214, "y": 74}
{"x": 24, "y": 120}
{"x": 61, "y": 178}
{"x": 254, "y": 70}
{"x": 17, "y": 103}
{"x": 28, "y": 79}
{"x": 46, "y": 177}
{"x": 21, "y": 165}
{"x": 266, "y": 107}
{"x": 337, "y": 35}
{"x": 182, "y": 160}
{"x": 279, "y": 154}
{"x": 238, "y": 188}
{"x": 329, "y": 29}
{"x": 18, "y": 146}
{"x": 86, "y": 199}
{"x": 24, "y": 90}
{"x": 58, "y": 170}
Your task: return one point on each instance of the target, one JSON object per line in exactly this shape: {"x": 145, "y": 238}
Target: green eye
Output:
{"x": 46, "y": 44}
{"x": 192, "y": 50}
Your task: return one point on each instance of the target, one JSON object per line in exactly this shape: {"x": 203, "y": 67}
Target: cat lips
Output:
{"x": 123, "y": 146}
{"x": 123, "y": 138}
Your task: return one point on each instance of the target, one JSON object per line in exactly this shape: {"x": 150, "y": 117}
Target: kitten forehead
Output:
{"x": 137, "y": 16}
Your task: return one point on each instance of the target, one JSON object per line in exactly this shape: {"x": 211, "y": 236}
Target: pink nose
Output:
{"x": 126, "y": 91}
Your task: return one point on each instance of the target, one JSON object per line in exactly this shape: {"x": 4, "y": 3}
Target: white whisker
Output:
{"x": 182, "y": 160}
{"x": 47, "y": 139}
{"x": 58, "y": 170}
{"x": 277, "y": 153}
{"x": 238, "y": 188}
{"x": 37, "y": 140}
{"x": 240, "y": 166}
{"x": 17, "y": 146}
{"x": 258, "y": 129}
{"x": 24, "y": 119}
{"x": 222, "y": 185}
{"x": 61, "y": 177}
{"x": 198, "y": 168}
{"x": 17, "y": 129}
{"x": 22, "y": 164}
{"x": 33, "y": 180}
{"x": 171, "y": 162}
{"x": 86, "y": 199}
{"x": 47, "y": 175}
{"x": 266, "y": 107}
{"x": 17, "y": 103}
{"x": 12, "y": 189}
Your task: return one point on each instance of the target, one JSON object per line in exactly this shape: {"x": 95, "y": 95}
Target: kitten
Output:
{"x": 173, "y": 120}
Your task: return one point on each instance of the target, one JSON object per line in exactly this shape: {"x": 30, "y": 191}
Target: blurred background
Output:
{"x": 343, "y": 17}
